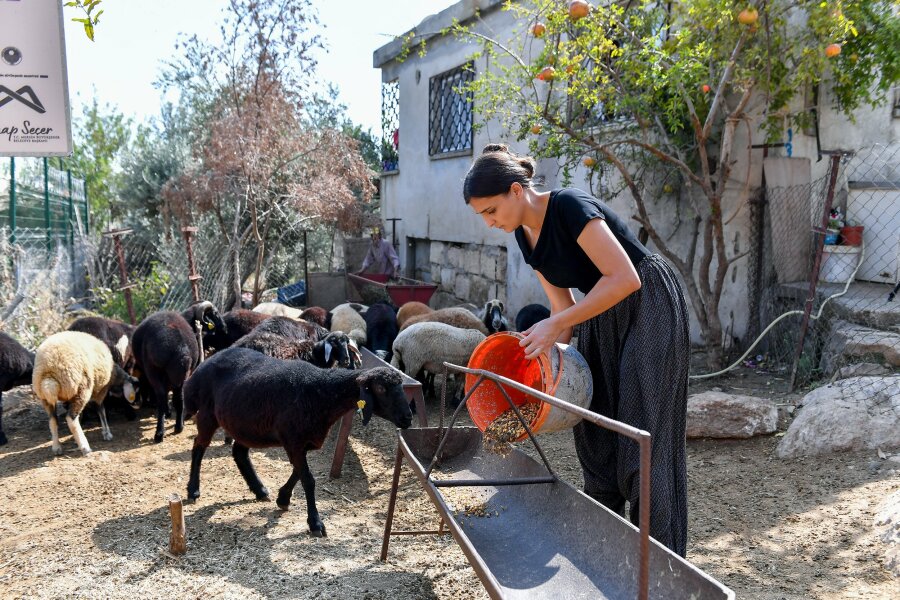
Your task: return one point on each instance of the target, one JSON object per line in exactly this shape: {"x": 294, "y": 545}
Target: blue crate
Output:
{"x": 293, "y": 294}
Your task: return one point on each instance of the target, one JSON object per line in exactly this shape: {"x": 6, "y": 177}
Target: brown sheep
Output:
{"x": 412, "y": 309}
{"x": 458, "y": 317}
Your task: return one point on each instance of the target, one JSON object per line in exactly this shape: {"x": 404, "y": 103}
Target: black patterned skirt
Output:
{"x": 639, "y": 355}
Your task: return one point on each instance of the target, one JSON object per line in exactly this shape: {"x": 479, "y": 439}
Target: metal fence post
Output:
{"x": 123, "y": 273}
{"x": 87, "y": 207}
{"x": 71, "y": 226}
{"x": 817, "y": 263}
{"x": 12, "y": 200}
{"x": 192, "y": 273}
{"x": 47, "y": 206}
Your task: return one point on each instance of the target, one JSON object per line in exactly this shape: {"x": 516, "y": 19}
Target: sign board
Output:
{"x": 34, "y": 90}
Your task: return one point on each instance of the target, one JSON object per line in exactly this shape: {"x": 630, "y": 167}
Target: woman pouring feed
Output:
{"x": 632, "y": 328}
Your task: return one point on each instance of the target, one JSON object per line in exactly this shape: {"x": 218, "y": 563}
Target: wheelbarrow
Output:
{"x": 527, "y": 533}
{"x": 374, "y": 287}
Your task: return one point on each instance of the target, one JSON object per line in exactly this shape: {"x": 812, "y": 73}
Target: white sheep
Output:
{"x": 348, "y": 318}
{"x": 276, "y": 309}
{"x": 428, "y": 345}
{"x": 75, "y": 368}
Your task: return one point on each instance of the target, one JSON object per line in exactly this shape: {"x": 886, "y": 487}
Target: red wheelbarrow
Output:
{"x": 375, "y": 286}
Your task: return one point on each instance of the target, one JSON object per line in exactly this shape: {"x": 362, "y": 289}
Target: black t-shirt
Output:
{"x": 557, "y": 255}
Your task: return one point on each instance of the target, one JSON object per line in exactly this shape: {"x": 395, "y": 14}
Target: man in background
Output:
{"x": 381, "y": 257}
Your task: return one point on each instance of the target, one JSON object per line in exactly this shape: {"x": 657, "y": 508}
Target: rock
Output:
{"x": 861, "y": 370}
{"x": 720, "y": 415}
{"x": 848, "y": 341}
{"x": 859, "y": 413}
{"x": 887, "y": 525}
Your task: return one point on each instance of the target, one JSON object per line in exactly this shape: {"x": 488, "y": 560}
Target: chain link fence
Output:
{"x": 828, "y": 263}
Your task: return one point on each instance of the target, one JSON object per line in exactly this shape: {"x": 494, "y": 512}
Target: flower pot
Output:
{"x": 852, "y": 235}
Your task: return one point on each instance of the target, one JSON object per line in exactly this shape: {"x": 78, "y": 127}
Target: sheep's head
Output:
{"x": 128, "y": 385}
{"x": 210, "y": 321}
{"x": 337, "y": 350}
{"x": 493, "y": 315}
{"x": 382, "y": 390}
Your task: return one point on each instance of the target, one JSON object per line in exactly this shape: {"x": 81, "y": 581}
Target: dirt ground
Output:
{"x": 98, "y": 527}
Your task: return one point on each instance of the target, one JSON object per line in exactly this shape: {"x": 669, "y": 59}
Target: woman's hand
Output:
{"x": 540, "y": 338}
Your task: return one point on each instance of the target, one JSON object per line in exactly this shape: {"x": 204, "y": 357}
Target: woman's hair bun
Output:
{"x": 527, "y": 163}
{"x": 495, "y": 148}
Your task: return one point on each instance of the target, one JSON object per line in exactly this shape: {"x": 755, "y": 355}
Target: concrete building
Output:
{"x": 430, "y": 144}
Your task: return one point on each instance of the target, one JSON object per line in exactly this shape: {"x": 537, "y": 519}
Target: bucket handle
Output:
{"x": 547, "y": 371}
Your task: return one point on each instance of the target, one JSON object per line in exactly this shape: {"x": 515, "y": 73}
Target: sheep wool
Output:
{"x": 455, "y": 316}
{"x": 412, "y": 309}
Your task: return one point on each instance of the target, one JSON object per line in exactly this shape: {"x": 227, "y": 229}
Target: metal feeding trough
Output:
{"x": 400, "y": 290}
{"x": 529, "y": 534}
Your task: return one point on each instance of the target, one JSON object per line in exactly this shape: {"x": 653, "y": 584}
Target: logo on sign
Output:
{"x": 31, "y": 101}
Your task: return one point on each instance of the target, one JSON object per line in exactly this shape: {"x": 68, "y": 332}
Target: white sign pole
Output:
{"x": 34, "y": 89}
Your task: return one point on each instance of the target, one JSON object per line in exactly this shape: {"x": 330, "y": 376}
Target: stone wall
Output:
{"x": 473, "y": 273}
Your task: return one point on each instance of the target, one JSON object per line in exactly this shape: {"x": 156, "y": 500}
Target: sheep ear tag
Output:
{"x": 328, "y": 356}
{"x": 360, "y": 405}
{"x": 210, "y": 325}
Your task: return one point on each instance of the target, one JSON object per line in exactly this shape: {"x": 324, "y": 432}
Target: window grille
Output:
{"x": 450, "y": 111}
{"x": 390, "y": 126}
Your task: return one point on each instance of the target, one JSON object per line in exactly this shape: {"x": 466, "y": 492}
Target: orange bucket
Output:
{"x": 564, "y": 374}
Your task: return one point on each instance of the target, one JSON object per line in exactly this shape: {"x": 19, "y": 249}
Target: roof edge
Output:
{"x": 430, "y": 27}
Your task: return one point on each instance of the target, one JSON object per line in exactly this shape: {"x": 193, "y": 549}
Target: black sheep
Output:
{"x": 531, "y": 314}
{"x": 292, "y": 329}
{"x": 492, "y": 317}
{"x": 117, "y": 337}
{"x": 205, "y": 316}
{"x": 263, "y": 402}
{"x": 335, "y": 349}
{"x": 166, "y": 351}
{"x": 381, "y": 329}
{"x": 317, "y": 315}
{"x": 238, "y": 323}
{"x": 16, "y": 366}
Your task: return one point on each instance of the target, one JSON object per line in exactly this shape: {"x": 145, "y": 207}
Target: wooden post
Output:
{"x": 123, "y": 272}
{"x": 177, "y": 541}
{"x": 192, "y": 272}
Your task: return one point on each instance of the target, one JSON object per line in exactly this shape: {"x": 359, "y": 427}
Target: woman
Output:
{"x": 632, "y": 328}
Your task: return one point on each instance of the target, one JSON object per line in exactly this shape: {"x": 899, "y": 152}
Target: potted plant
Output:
{"x": 851, "y": 234}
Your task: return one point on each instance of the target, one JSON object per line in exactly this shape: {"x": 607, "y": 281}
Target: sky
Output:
{"x": 134, "y": 37}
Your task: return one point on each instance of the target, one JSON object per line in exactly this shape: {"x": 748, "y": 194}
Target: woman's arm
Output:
{"x": 560, "y": 299}
{"x": 620, "y": 280}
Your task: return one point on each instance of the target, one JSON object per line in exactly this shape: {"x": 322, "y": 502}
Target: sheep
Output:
{"x": 203, "y": 316}
{"x": 75, "y": 368}
{"x": 276, "y": 309}
{"x": 16, "y": 366}
{"x": 428, "y": 345}
{"x": 471, "y": 308}
{"x": 166, "y": 351}
{"x": 492, "y": 316}
{"x": 317, "y": 315}
{"x": 412, "y": 309}
{"x": 112, "y": 332}
{"x": 381, "y": 329}
{"x": 292, "y": 329}
{"x": 336, "y": 349}
{"x": 531, "y": 314}
{"x": 457, "y": 317}
{"x": 238, "y": 323}
{"x": 264, "y": 402}
{"x": 347, "y": 318}
{"x": 117, "y": 337}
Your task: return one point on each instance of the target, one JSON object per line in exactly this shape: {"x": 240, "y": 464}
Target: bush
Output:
{"x": 146, "y": 295}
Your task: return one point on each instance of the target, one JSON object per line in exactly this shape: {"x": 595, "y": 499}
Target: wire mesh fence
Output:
{"x": 830, "y": 261}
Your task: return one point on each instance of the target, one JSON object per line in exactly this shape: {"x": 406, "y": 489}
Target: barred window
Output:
{"x": 390, "y": 126}
{"x": 450, "y": 111}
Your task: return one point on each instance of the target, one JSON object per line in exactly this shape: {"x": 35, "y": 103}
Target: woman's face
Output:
{"x": 503, "y": 211}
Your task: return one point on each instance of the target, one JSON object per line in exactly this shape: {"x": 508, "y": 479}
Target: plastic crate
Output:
{"x": 293, "y": 294}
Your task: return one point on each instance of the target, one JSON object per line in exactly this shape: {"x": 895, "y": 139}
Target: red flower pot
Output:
{"x": 852, "y": 235}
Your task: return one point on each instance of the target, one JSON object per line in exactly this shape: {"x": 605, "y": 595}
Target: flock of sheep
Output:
{"x": 273, "y": 376}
